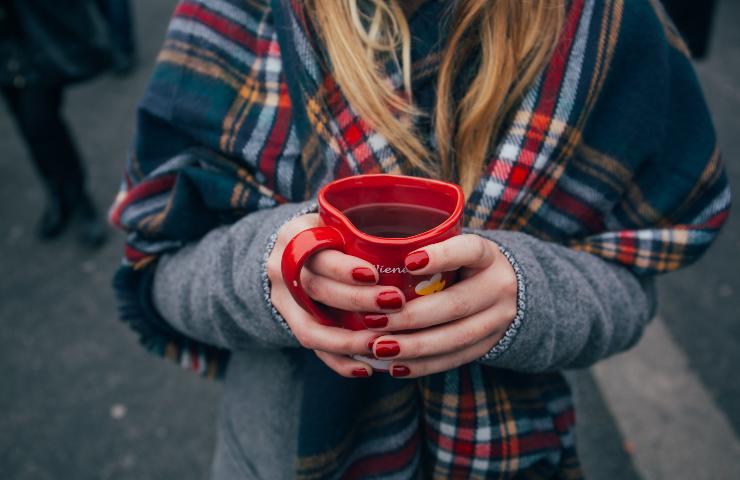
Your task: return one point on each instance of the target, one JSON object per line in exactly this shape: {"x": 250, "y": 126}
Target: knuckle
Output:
{"x": 511, "y": 286}
{"x": 274, "y": 272}
{"x": 510, "y": 311}
{"x": 300, "y": 336}
{"x": 317, "y": 261}
{"x": 444, "y": 252}
{"x": 459, "y": 305}
{"x": 412, "y": 350}
{"x": 336, "y": 270}
{"x": 468, "y": 336}
{"x": 401, "y": 320}
{"x": 279, "y": 247}
{"x": 479, "y": 247}
{"x": 309, "y": 220}
{"x": 458, "y": 361}
{"x": 306, "y": 340}
{"x": 285, "y": 233}
{"x": 345, "y": 345}
{"x": 357, "y": 300}
{"x": 485, "y": 347}
{"x": 276, "y": 300}
{"x": 279, "y": 299}
{"x": 312, "y": 286}
{"x": 292, "y": 228}
{"x": 281, "y": 235}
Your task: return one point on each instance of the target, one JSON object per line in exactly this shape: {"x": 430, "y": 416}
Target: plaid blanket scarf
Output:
{"x": 611, "y": 151}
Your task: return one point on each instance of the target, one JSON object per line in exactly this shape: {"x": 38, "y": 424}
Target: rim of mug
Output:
{"x": 449, "y": 223}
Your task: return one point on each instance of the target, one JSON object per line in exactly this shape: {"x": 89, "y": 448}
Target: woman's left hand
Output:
{"x": 457, "y": 325}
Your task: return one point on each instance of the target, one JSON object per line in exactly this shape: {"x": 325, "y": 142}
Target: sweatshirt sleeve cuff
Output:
{"x": 521, "y": 304}
{"x": 266, "y": 284}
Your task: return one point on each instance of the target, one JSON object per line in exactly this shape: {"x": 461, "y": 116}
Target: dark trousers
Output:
{"x": 37, "y": 112}
{"x": 693, "y": 18}
{"x": 117, "y": 14}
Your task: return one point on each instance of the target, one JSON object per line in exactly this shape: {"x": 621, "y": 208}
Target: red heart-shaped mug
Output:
{"x": 381, "y": 219}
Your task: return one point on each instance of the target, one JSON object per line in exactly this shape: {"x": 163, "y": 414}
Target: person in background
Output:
{"x": 44, "y": 47}
{"x": 117, "y": 14}
{"x": 694, "y": 20}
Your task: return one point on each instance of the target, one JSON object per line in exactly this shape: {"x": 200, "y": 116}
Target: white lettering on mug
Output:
{"x": 384, "y": 269}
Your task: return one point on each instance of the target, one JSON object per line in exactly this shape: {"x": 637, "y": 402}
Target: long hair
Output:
{"x": 507, "y": 41}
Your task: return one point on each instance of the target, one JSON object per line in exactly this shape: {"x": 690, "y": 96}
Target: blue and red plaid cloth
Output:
{"x": 611, "y": 151}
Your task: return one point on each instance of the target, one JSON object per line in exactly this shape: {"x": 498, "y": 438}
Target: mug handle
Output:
{"x": 297, "y": 253}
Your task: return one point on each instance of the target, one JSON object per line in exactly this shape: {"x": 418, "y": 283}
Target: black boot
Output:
{"x": 91, "y": 228}
{"x": 54, "y": 218}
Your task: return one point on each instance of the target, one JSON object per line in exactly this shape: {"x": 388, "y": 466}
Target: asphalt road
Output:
{"x": 701, "y": 304}
{"x": 80, "y": 399}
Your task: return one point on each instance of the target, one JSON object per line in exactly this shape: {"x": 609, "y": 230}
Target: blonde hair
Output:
{"x": 511, "y": 41}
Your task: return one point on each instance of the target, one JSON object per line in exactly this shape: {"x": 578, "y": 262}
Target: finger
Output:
{"x": 447, "y": 338}
{"x": 470, "y": 251}
{"x": 285, "y": 234}
{"x": 345, "y": 366}
{"x": 461, "y": 300}
{"x": 294, "y": 227}
{"x": 315, "y": 336}
{"x": 350, "y": 297}
{"x": 343, "y": 268}
{"x": 441, "y": 363}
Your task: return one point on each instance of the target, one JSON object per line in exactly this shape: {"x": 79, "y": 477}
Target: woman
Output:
{"x": 580, "y": 135}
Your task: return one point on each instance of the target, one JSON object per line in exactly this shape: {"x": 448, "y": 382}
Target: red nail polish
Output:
{"x": 417, "y": 260}
{"x": 375, "y": 321}
{"x": 371, "y": 343}
{"x": 363, "y": 274}
{"x": 387, "y": 349}
{"x": 400, "y": 371}
{"x": 389, "y": 300}
{"x": 360, "y": 372}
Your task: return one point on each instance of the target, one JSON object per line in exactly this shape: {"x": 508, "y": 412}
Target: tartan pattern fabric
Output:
{"x": 502, "y": 427}
{"x": 610, "y": 152}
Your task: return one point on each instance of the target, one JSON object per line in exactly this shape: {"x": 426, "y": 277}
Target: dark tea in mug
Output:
{"x": 395, "y": 220}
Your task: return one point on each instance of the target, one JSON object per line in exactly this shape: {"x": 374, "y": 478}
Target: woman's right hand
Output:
{"x": 337, "y": 280}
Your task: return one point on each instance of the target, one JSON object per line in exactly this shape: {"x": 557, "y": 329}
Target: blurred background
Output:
{"x": 80, "y": 399}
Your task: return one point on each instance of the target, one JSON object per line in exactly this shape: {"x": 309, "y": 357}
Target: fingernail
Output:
{"x": 363, "y": 274}
{"x": 389, "y": 300}
{"x": 387, "y": 349}
{"x": 371, "y": 343}
{"x": 400, "y": 371}
{"x": 360, "y": 372}
{"x": 375, "y": 321}
{"x": 417, "y": 260}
